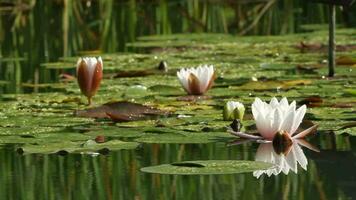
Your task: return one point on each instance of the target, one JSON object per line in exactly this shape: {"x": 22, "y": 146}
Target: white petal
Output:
{"x": 258, "y": 173}
{"x": 239, "y": 105}
{"x": 292, "y": 105}
{"x": 78, "y": 63}
{"x": 277, "y": 121}
{"x": 300, "y": 156}
{"x": 208, "y": 73}
{"x": 264, "y": 153}
{"x": 257, "y": 108}
{"x": 306, "y": 132}
{"x": 284, "y": 103}
{"x": 183, "y": 79}
{"x": 263, "y": 126}
{"x": 101, "y": 62}
{"x": 204, "y": 79}
{"x": 91, "y": 64}
{"x": 274, "y": 102}
{"x": 298, "y": 118}
{"x": 288, "y": 122}
{"x": 291, "y": 161}
{"x": 230, "y": 106}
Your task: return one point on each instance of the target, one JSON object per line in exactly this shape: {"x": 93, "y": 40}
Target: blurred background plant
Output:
{"x": 34, "y": 32}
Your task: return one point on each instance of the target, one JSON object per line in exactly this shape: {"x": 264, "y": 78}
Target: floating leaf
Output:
{"x": 319, "y": 47}
{"x": 272, "y": 85}
{"x": 59, "y": 65}
{"x": 350, "y": 92}
{"x": 349, "y": 128}
{"x": 115, "y": 132}
{"x": 165, "y": 90}
{"x": 121, "y": 111}
{"x": 276, "y": 66}
{"x": 136, "y": 73}
{"x": 345, "y": 60}
{"x": 76, "y": 147}
{"x": 208, "y": 167}
{"x": 312, "y": 101}
{"x": 181, "y": 137}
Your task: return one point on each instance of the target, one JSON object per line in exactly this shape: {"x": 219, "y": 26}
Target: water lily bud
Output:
{"x": 163, "y": 66}
{"x": 233, "y": 110}
{"x": 89, "y": 75}
{"x": 196, "y": 81}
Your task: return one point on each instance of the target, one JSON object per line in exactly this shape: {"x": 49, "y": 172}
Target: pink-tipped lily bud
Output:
{"x": 89, "y": 74}
{"x": 196, "y": 81}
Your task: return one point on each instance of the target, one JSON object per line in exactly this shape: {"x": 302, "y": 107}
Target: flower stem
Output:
{"x": 89, "y": 101}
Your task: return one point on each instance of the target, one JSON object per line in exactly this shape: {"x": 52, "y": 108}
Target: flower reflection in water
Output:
{"x": 285, "y": 160}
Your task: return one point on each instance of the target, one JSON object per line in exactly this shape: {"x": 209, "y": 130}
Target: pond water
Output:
{"x": 49, "y": 153}
{"x": 329, "y": 175}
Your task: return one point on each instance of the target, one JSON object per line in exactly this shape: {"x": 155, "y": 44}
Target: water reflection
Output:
{"x": 285, "y": 160}
{"x": 330, "y": 174}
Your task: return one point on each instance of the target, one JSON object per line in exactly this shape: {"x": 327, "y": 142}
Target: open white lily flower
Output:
{"x": 233, "y": 110}
{"x": 197, "y": 81}
{"x": 284, "y": 162}
{"x": 277, "y": 117}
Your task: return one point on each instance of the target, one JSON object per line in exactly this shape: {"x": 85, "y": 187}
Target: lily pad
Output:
{"x": 208, "y": 167}
{"x": 121, "y": 111}
{"x": 349, "y": 128}
{"x": 273, "y": 85}
{"x": 59, "y": 65}
{"x": 76, "y": 147}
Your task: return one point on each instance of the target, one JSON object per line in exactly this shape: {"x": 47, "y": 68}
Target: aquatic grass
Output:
{"x": 109, "y": 31}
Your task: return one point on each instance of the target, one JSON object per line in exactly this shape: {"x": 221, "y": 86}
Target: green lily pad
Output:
{"x": 349, "y": 128}
{"x": 208, "y": 167}
{"x": 115, "y": 132}
{"x": 350, "y": 92}
{"x": 76, "y": 147}
{"x": 183, "y": 137}
{"x": 59, "y": 65}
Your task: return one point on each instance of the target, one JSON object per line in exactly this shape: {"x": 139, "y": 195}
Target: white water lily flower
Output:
{"x": 277, "y": 116}
{"x": 197, "y": 81}
{"x": 89, "y": 75}
{"x": 233, "y": 110}
{"x": 283, "y": 162}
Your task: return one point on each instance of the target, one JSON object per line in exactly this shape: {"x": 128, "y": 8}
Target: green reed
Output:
{"x": 43, "y": 31}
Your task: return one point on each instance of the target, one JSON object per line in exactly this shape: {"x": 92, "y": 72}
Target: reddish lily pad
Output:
{"x": 121, "y": 111}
